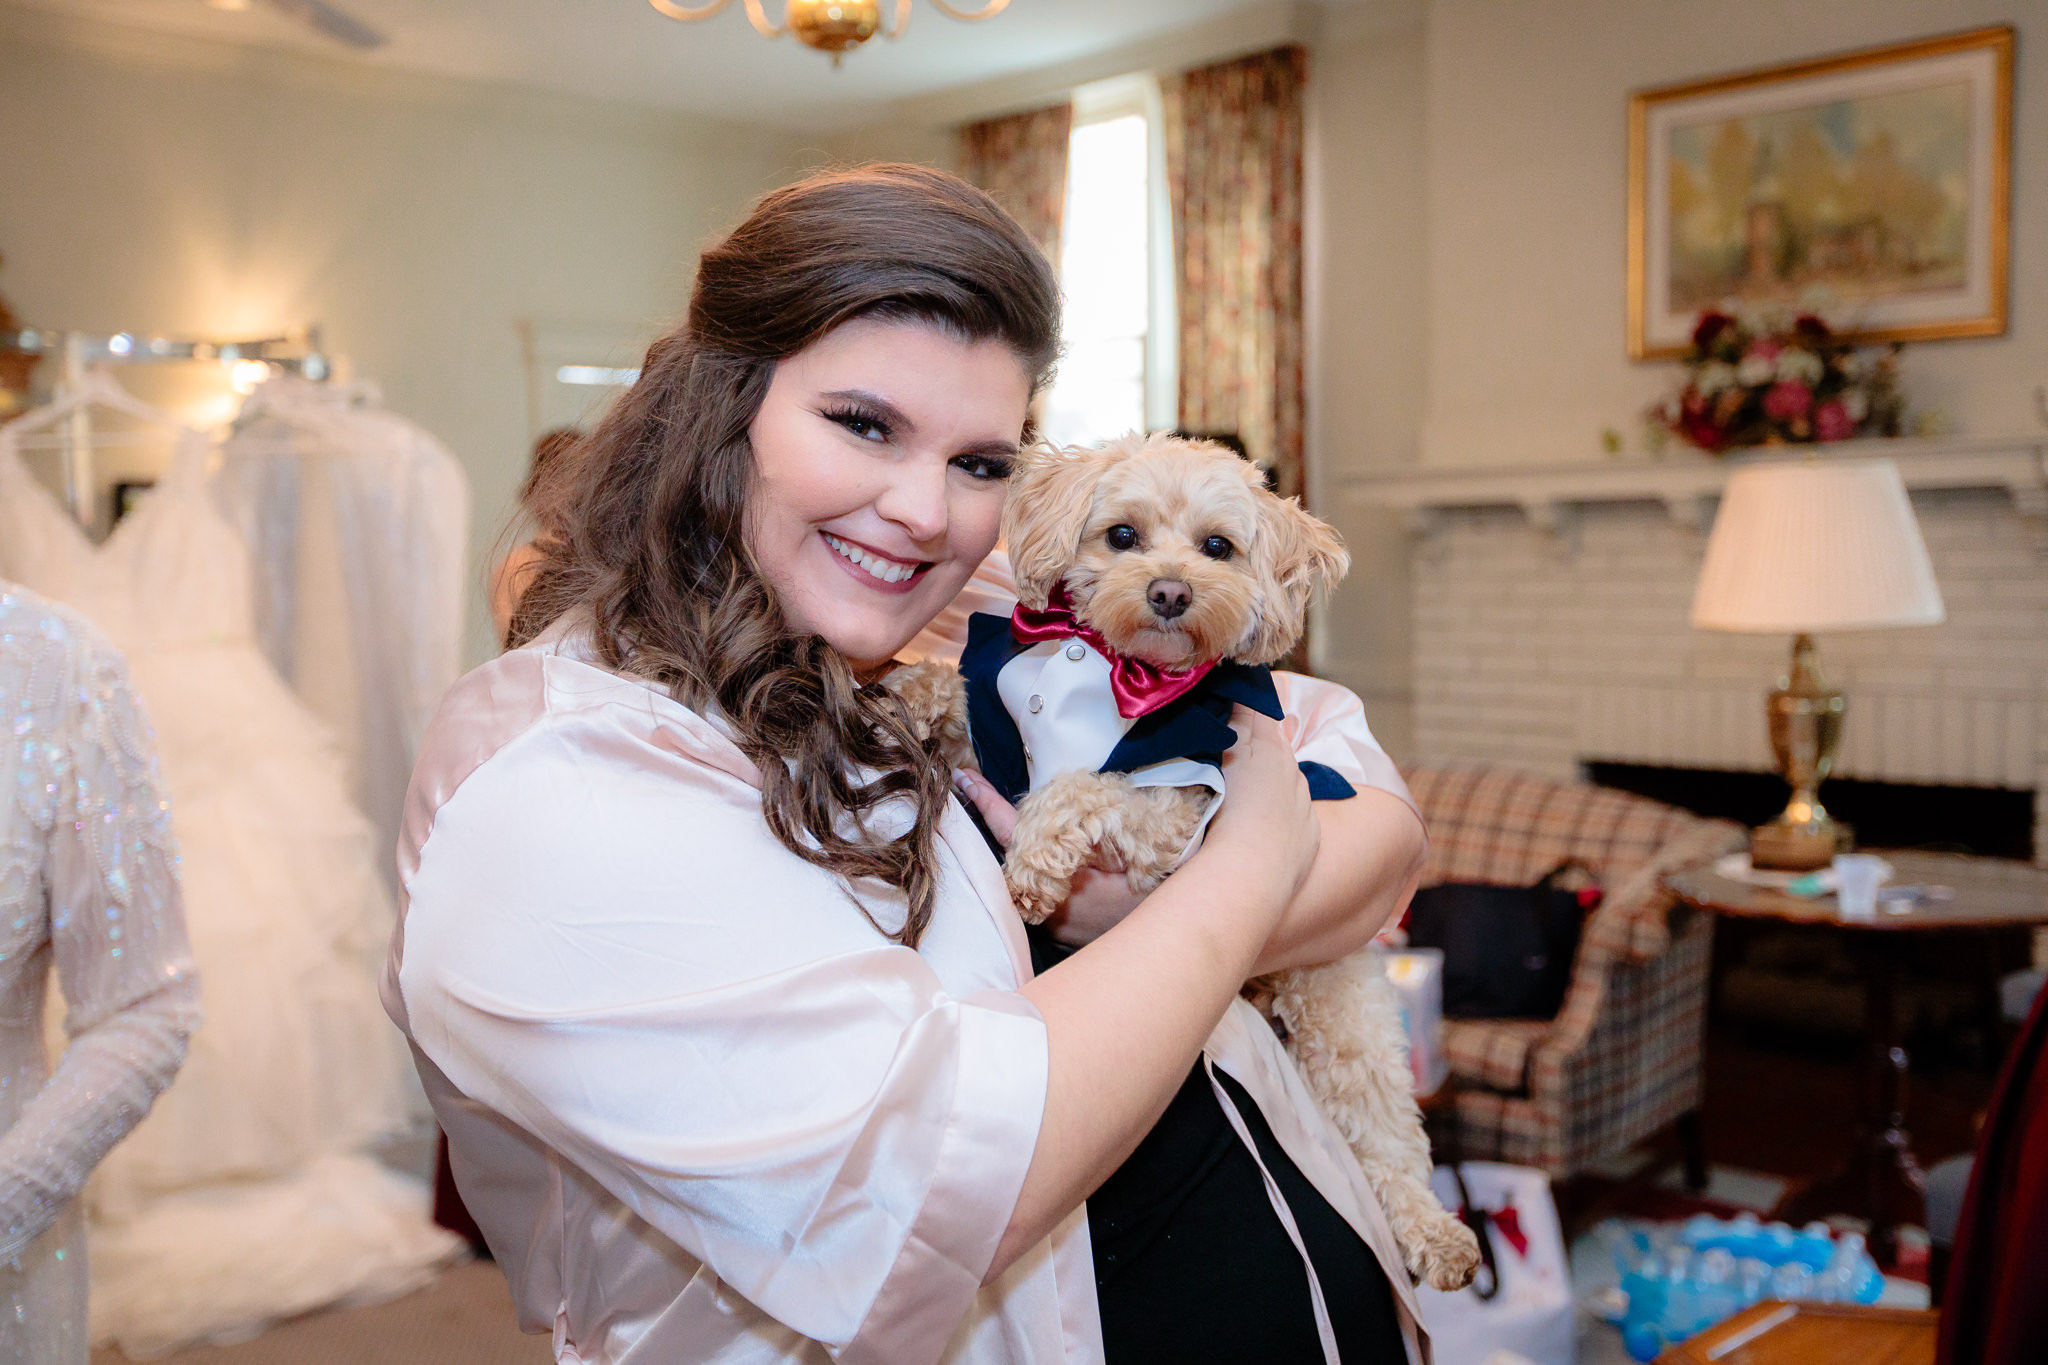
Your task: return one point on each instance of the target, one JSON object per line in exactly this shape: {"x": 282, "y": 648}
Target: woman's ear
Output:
{"x": 1295, "y": 557}
{"x": 1047, "y": 509}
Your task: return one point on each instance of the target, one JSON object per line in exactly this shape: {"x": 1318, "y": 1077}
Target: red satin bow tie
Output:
{"x": 1140, "y": 687}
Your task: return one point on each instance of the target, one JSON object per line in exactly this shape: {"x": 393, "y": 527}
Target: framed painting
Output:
{"x": 1871, "y": 188}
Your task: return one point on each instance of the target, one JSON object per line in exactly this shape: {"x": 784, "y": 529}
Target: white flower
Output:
{"x": 1803, "y": 366}
{"x": 1856, "y": 403}
{"x": 1713, "y": 377}
{"x": 1856, "y": 364}
{"x": 1755, "y": 369}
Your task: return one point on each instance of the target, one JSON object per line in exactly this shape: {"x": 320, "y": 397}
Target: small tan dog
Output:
{"x": 1156, "y": 578}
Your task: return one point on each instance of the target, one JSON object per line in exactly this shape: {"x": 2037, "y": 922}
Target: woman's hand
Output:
{"x": 1101, "y": 895}
{"x": 1268, "y": 823}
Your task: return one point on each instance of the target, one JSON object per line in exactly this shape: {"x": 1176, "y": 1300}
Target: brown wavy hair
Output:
{"x": 647, "y": 516}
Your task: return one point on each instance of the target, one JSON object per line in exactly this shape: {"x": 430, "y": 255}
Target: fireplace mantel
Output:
{"x": 1687, "y": 483}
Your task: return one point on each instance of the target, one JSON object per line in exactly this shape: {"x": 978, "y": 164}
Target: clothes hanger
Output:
{"x": 69, "y": 415}
{"x": 94, "y": 389}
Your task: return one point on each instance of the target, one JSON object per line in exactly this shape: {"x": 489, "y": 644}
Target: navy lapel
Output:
{"x": 1197, "y": 725}
{"x": 998, "y": 748}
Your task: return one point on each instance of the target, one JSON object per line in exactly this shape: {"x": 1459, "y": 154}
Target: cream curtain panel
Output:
{"x": 1233, "y": 160}
{"x": 1021, "y": 161}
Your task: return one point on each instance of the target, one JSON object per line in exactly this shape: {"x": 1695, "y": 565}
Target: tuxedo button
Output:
{"x": 1037, "y": 704}
{"x": 1076, "y": 652}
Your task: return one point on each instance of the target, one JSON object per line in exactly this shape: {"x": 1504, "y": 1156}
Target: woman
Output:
{"x": 511, "y": 574}
{"x": 88, "y": 882}
{"x": 715, "y": 988}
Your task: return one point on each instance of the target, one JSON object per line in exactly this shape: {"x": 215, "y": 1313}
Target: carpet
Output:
{"x": 463, "y": 1318}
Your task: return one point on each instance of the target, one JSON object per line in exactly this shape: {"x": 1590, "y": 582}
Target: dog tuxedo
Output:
{"x": 1037, "y": 708}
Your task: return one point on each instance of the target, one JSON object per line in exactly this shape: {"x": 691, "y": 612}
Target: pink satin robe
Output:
{"x": 701, "y": 1108}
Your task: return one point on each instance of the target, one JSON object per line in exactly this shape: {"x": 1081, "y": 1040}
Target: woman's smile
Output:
{"x": 872, "y": 567}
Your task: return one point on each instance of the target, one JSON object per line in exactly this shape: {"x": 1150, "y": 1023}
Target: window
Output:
{"x": 1115, "y": 269}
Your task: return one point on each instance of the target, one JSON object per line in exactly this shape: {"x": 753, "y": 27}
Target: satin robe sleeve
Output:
{"x": 117, "y": 933}
{"x": 605, "y": 945}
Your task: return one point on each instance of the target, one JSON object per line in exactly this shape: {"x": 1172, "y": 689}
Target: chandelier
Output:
{"x": 834, "y": 26}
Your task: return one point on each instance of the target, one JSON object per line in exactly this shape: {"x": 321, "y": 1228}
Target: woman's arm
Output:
{"x": 119, "y": 938}
{"x": 1367, "y": 863}
{"x": 1126, "y": 1016}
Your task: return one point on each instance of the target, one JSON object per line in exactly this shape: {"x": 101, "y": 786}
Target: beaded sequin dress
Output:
{"x": 87, "y": 885}
{"x": 249, "y": 1193}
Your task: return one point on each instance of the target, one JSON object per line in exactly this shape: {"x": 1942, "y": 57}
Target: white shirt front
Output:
{"x": 1058, "y": 692}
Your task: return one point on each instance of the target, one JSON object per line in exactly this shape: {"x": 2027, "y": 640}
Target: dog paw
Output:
{"x": 1445, "y": 1255}
{"x": 1034, "y": 894}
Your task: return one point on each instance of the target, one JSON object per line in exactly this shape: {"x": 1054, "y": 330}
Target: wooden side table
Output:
{"x": 1884, "y": 1180}
{"x": 1773, "y": 1333}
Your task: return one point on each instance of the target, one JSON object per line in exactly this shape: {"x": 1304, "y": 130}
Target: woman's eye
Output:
{"x": 989, "y": 468}
{"x": 1122, "y": 538}
{"x": 861, "y": 425}
{"x": 1216, "y": 547}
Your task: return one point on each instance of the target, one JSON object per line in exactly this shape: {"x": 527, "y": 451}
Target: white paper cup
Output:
{"x": 1857, "y": 876}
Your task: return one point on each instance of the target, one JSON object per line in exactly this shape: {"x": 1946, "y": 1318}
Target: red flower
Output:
{"x": 1788, "y": 401}
{"x": 1708, "y": 329}
{"x": 1810, "y": 329}
{"x": 1698, "y": 427}
{"x": 1832, "y": 422}
{"x": 1764, "y": 348}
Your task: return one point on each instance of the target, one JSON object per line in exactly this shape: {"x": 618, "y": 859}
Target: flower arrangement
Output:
{"x": 1747, "y": 385}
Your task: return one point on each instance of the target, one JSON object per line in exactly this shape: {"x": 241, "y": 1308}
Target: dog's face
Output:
{"x": 1172, "y": 549}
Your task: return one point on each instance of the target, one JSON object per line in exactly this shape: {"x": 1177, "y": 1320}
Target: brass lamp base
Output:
{"x": 1806, "y": 725}
{"x": 1794, "y": 847}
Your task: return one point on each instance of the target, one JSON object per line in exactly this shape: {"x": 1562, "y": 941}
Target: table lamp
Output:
{"x": 1801, "y": 548}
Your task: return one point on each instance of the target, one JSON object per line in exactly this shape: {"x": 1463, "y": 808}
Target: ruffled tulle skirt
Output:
{"x": 249, "y": 1193}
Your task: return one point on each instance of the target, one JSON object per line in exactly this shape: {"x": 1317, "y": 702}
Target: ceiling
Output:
{"x": 623, "y": 50}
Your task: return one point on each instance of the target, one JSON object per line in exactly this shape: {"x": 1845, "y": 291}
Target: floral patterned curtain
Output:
{"x": 1021, "y": 160}
{"x": 1233, "y": 165}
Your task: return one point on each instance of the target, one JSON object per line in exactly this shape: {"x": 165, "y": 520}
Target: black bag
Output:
{"x": 1507, "y": 950}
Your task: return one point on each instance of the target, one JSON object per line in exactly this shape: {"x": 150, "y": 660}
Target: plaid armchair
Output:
{"x": 1622, "y": 1058}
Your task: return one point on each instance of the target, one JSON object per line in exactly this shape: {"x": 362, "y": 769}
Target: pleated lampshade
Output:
{"x": 1815, "y": 546}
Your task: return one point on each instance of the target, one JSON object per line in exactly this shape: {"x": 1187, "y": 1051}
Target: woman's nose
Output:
{"x": 916, "y": 501}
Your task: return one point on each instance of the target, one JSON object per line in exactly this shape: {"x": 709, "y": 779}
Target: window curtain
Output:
{"x": 1233, "y": 166}
{"x": 1021, "y": 161}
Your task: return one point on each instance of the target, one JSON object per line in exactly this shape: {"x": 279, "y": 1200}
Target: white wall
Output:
{"x": 1527, "y": 156}
{"x": 171, "y": 185}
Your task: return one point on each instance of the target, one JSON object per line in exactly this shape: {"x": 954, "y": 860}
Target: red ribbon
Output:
{"x": 1140, "y": 687}
{"x": 1509, "y": 1221}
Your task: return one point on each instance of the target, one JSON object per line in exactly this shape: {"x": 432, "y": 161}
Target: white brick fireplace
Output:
{"x": 1550, "y": 623}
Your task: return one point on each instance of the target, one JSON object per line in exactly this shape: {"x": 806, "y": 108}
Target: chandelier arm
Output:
{"x": 688, "y": 13}
{"x": 757, "y": 15}
{"x": 987, "y": 11}
{"x": 902, "y": 23}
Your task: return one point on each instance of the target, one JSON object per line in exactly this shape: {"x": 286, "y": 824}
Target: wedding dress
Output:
{"x": 357, "y": 521}
{"x": 249, "y": 1192}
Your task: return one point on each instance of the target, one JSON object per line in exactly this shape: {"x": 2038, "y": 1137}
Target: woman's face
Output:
{"x": 880, "y": 455}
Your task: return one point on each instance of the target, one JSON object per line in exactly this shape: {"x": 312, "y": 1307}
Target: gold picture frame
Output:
{"x": 1873, "y": 187}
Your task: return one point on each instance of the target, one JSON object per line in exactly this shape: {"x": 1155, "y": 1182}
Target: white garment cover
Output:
{"x": 357, "y": 521}
{"x": 701, "y": 1108}
{"x": 247, "y": 1193}
{"x": 88, "y": 883}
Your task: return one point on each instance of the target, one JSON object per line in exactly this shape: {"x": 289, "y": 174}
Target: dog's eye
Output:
{"x": 1216, "y": 547}
{"x": 1122, "y": 537}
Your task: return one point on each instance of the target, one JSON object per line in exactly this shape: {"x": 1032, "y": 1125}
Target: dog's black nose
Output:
{"x": 1169, "y": 597}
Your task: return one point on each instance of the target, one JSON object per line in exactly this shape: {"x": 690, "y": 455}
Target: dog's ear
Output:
{"x": 1295, "y": 557}
{"x": 1047, "y": 509}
